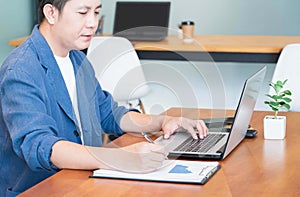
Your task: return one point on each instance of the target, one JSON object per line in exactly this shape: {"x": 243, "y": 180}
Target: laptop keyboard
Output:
{"x": 200, "y": 145}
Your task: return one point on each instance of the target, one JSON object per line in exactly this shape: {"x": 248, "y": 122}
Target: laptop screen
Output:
{"x": 245, "y": 109}
{"x": 129, "y": 16}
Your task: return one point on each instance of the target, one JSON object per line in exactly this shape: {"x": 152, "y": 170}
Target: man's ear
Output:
{"x": 50, "y": 13}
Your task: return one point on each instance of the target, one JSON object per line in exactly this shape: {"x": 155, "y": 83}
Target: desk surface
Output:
{"x": 221, "y": 43}
{"x": 219, "y": 48}
{"x": 257, "y": 167}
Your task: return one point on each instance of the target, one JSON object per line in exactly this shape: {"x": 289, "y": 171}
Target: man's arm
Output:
{"x": 137, "y": 158}
{"x": 137, "y": 122}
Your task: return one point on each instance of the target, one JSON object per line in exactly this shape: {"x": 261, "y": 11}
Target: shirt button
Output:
{"x": 76, "y": 133}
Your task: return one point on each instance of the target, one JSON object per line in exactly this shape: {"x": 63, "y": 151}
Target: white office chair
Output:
{"x": 118, "y": 69}
{"x": 288, "y": 67}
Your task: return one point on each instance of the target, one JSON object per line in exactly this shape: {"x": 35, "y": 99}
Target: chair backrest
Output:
{"x": 288, "y": 67}
{"x": 117, "y": 67}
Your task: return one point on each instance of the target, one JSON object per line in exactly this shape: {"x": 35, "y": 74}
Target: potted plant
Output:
{"x": 275, "y": 126}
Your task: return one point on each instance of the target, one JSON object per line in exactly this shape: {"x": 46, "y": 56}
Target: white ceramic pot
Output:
{"x": 274, "y": 129}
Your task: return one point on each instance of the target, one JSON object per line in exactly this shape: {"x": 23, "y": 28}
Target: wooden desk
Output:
{"x": 16, "y": 42}
{"x": 220, "y": 48}
{"x": 257, "y": 167}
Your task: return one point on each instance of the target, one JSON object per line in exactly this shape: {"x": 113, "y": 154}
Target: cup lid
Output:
{"x": 187, "y": 23}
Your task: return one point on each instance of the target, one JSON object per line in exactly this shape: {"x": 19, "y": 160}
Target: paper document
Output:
{"x": 180, "y": 171}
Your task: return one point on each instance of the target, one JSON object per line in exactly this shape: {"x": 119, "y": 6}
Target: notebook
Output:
{"x": 174, "y": 171}
{"x": 220, "y": 141}
{"x": 142, "y": 21}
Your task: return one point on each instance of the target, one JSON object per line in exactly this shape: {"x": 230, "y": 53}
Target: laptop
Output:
{"x": 220, "y": 141}
{"x": 142, "y": 21}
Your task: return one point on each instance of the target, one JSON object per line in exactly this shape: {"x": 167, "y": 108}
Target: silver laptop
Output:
{"x": 220, "y": 141}
{"x": 142, "y": 21}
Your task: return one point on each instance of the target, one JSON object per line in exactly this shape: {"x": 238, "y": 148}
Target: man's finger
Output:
{"x": 193, "y": 133}
{"x": 202, "y": 129}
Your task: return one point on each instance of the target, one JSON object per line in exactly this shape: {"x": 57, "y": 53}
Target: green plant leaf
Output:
{"x": 286, "y": 106}
{"x": 284, "y": 82}
{"x": 279, "y": 83}
{"x": 281, "y": 103}
{"x": 268, "y": 95}
{"x": 274, "y": 109}
{"x": 287, "y": 92}
{"x": 281, "y": 97}
{"x": 274, "y": 103}
{"x": 277, "y": 88}
{"x": 286, "y": 99}
{"x": 278, "y": 97}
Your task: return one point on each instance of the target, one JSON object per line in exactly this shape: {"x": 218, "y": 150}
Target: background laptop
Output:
{"x": 142, "y": 21}
{"x": 223, "y": 141}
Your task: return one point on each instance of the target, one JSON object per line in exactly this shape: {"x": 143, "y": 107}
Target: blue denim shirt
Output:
{"x": 36, "y": 111}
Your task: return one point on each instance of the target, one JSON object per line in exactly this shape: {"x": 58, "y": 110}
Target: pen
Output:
{"x": 210, "y": 174}
{"x": 147, "y": 137}
{"x": 150, "y": 140}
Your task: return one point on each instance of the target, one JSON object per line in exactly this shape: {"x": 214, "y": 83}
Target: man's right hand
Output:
{"x": 141, "y": 157}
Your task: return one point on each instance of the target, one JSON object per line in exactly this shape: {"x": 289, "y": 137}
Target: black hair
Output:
{"x": 58, "y": 4}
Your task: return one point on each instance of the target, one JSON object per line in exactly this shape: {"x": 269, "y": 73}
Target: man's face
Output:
{"x": 76, "y": 24}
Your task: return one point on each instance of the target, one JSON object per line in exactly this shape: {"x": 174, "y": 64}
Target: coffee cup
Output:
{"x": 188, "y": 30}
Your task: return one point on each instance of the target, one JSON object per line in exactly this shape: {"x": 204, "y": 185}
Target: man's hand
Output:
{"x": 136, "y": 122}
{"x": 141, "y": 157}
{"x": 173, "y": 124}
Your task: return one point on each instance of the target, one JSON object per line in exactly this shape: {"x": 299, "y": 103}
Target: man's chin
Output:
{"x": 83, "y": 47}
{"x": 84, "y": 50}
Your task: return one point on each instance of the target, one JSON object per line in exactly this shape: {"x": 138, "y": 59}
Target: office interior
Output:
{"x": 211, "y": 17}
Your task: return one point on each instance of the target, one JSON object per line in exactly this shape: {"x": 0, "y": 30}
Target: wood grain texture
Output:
{"x": 212, "y": 43}
{"x": 257, "y": 167}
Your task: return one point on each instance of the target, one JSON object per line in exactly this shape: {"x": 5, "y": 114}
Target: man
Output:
{"x": 53, "y": 111}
